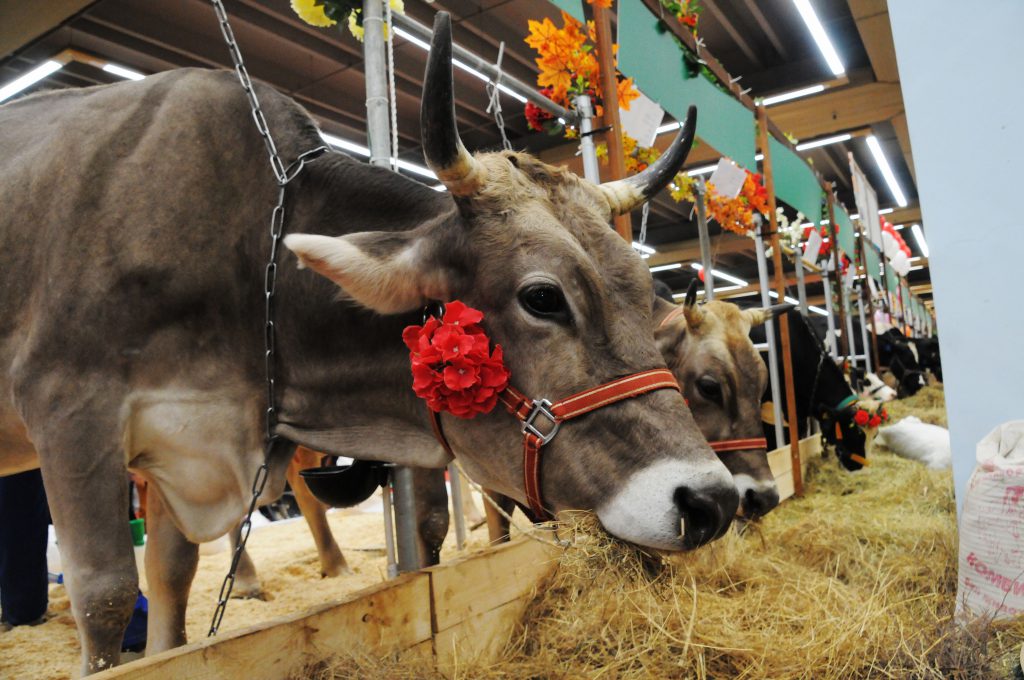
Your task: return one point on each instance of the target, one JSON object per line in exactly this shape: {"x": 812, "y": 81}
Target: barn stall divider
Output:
{"x": 461, "y": 611}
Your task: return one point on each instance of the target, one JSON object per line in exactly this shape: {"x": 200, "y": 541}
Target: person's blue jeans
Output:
{"x": 24, "y": 517}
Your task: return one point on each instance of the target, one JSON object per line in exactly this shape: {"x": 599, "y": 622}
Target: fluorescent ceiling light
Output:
{"x": 883, "y": 165}
{"x": 723, "y": 289}
{"x": 855, "y": 216}
{"x": 31, "y": 78}
{"x": 914, "y": 259}
{"x": 824, "y": 141}
{"x": 916, "y": 267}
{"x": 702, "y": 170}
{"x": 820, "y": 37}
{"x": 667, "y": 127}
{"x": 899, "y": 227}
{"x": 643, "y": 248}
{"x": 722, "y": 275}
{"x": 919, "y": 237}
{"x": 458, "y": 64}
{"x": 788, "y": 299}
{"x": 122, "y": 72}
{"x": 360, "y": 150}
{"x": 793, "y": 94}
{"x": 666, "y": 267}
{"x": 885, "y": 211}
{"x": 817, "y": 310}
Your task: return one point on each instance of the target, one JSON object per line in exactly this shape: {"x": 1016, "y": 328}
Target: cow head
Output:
{"x": 569, "y": 302}
{"x": 709, "y": 350}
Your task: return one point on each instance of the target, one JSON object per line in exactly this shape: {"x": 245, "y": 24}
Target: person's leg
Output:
{"x": 24, "y": 517}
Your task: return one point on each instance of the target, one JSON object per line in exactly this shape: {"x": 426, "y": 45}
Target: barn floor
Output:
{"x": 286, "y": 561}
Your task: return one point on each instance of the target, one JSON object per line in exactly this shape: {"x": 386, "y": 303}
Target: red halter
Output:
{"x": 528, "y": 411}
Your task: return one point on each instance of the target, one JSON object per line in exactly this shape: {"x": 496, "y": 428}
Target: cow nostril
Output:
{"x": 759, "y": 503}
{"x": 706, "y": 514}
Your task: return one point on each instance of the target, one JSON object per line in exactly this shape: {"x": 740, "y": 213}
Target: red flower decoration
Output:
{"x": 453, "y": 367}
{"x": 536, "y": 116}
{"x": 875, "y": 421}
{"x": 861, "y": 417}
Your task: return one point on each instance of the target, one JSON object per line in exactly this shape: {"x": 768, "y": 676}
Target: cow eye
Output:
{"x": 545, "y": 301}
{"x": 710, "y": 389}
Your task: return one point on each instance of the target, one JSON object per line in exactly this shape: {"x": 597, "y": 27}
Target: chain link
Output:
{"x": 494, "y": 95}
{"x": 284, "y": 175}
{"x": 644, "y": 214}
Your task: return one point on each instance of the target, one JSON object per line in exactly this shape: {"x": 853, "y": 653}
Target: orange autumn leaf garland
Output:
{"x": 568, "y": 67}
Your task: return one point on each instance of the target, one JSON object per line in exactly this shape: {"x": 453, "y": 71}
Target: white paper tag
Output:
{"x": 872, "y": 286}
{"x": 728, "y": 178}
{"x": 813, "y": 247}
{"x": 642, "y": 120}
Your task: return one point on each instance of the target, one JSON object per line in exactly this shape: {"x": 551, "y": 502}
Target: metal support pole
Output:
{"x": 460, "y": 518}
{"x": 406, "y": 532}
{"x": 705, "y": 242}
{"x": 851, "y": 343}
{"x": 378, "y": 131}
{"x": 389, "y": 531}
{"x": 591, "y": 170}
{"x": 769, "y": 329}
{"x": 833, "y": 348}
{"x": 864, "y": 331}
{"x": 801, "y": 284}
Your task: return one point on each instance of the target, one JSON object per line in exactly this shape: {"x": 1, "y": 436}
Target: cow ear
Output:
{"x": 387, "y": 272}
{"x": 670, "y": 331}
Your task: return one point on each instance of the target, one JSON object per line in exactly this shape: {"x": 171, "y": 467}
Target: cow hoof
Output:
{"x": 339, "y": 569}
{"x": 247, "y": 591}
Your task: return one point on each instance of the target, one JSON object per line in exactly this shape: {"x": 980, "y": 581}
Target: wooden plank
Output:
{"x": 479, "y": 638}
{"x": 479, "y": 583}
{"x": 23, "y": 22}
{"x": 839, "y": 109}
{"x": 781, "y": 463}
{"x": 389, "y": 617}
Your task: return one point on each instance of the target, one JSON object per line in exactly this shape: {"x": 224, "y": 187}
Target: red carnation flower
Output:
{"x": 875, "y": 421}
{"x": 453, "y": 367}
{"x": 861, "y": 417}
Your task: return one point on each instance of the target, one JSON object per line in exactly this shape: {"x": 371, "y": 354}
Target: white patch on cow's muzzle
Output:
{"x": 644, "y": 510}
{"x": 745, "y": 483}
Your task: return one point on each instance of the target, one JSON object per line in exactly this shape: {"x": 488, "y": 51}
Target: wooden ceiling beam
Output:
{"x": 839, "y": 109}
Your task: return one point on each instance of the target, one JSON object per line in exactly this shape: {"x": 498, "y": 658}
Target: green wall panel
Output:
{"x": 573, "y": 7}
{"x": 795, "y": 183}
{"x": 655, "y": 62}
{"x": 872, "y": 262}
{"x": 845, "y": 227}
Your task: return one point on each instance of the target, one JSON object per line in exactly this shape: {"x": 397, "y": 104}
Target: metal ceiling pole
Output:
{"x": 852, "y": 344}
{"x": 591, "y": 170}
{"x": 864, "y": 330}
{"x": 378, "y": 132}
{"x": 425, "y": 33}
{"x": 460, "y": 518}
{"x": 705, "y": 241}
{"x": 769, "y": 329}
{"x": 801, "y": 283}
{"x": 826, "y": 281}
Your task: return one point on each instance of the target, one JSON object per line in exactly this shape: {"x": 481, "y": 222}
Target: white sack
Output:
{"x": 991, "y": 574}
{"x": 925, "y": 443}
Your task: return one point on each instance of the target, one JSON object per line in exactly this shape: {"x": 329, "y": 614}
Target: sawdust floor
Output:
{"x": 286, "y": 560}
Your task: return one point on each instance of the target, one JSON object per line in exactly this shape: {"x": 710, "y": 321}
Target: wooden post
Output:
{"x": 837, "y": 278}
{"x": 610, "y": 90}
{"x": 780, "y": 288}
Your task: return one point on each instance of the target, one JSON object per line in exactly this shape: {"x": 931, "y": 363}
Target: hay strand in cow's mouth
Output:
{"x": 857, "y": 579}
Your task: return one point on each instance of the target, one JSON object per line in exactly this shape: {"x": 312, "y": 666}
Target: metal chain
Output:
{"x": 389, "y": 27}
{"x": 494, "y": 95}
{"x": 284, "y": 175}
{"x": 644, "y": 213}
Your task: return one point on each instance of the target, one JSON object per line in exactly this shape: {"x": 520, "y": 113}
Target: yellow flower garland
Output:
{"x": 312, "y": 14}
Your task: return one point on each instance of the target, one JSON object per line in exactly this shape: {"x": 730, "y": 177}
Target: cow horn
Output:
{"x": 442, "y": 148}
{"x": 694, "y": 314}
{"x": 626, "y": 194}
{"x": 758, "y": 315}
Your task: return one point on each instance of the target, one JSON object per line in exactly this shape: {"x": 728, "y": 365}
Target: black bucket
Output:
{"x": 344, "y": 486}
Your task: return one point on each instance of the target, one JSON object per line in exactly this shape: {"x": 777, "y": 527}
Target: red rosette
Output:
{"x": 875, "y": 421}
{"x": 861, "y": 417}
{"x": 453, "y": 366}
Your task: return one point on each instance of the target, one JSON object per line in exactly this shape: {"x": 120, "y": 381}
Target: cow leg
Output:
{"x": 332, "y": 562}
{"x": 86, "y": 485}
{"x": 498, "y": 524}
{"x": 171, "y": 561}
{"x": 247, "y": 581}
{"x": 431, "y": 498}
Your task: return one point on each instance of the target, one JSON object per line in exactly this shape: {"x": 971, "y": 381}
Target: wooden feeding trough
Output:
{"x": 461, "y": 611}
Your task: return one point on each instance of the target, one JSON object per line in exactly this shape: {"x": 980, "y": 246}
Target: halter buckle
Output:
{"x": 541, "y": 407}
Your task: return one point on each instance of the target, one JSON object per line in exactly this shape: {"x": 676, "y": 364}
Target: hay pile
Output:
{"x": 929, "y": 404}
{"x": 856, "y": 579}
